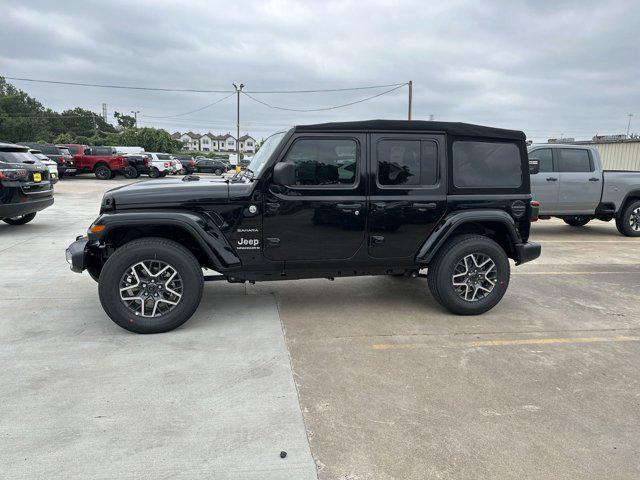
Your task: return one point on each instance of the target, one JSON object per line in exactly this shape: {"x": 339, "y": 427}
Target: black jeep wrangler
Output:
{"x": 379, "y": 197}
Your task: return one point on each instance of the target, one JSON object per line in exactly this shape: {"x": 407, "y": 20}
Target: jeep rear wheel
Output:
{"x": 628, "y": 223}
{"x": 150, "y": 285}
{"x": 470, "y": 275}
{"x": 102, "y": 172}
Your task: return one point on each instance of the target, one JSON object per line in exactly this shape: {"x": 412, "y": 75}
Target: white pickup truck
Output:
{"x": 571, "y": 185}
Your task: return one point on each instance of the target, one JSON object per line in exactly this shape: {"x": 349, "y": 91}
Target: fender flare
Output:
{"x": 452, "y": 221}
{"x": 199, "y": 226}
{"x": 627, "y": 198}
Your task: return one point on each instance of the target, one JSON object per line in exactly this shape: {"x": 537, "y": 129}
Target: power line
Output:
{"x": 123, "y": 87}
{"x": 191, "y": 111}
{"x": 193, "y": 90}
{"x": 370, "y": 87}
{"x": 324, "y": 108}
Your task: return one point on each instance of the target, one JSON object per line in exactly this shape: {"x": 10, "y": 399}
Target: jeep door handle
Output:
{"x": 552, "y": 179}
{"x": 347, "y": 207}
{"x": 379, "y": 205}
{"x": 594, "y": 179}
{"x": 424, "y": 206}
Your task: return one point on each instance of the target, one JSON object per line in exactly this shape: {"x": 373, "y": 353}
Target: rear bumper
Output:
{"x": 17, "y": 209}
{"x": 525, "y": 252}
{"x": 76, "y": 254}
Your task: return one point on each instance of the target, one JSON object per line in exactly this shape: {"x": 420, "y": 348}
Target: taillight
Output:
{"x": 192, "y": 163}
{"x": 167, "y": 164}
{"x": 146, "y": 161}
{"x": 535, "y": 209}
{"x": 13, "y": 174}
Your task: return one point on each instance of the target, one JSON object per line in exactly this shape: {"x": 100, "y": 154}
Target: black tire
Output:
{"x": 154, "y": 172}
{"x": 102, "y": 172}
{"x": 442, "y": 268}
{"x": 21, "y": 220}
{"x": 150, "y": 249}
{"x": 182, "y": 171}
{"x": 217, "y": 171}
{"x": 130, "y": 172}
{"x": 628, "y": 222}
{"x": 576, "y": 221}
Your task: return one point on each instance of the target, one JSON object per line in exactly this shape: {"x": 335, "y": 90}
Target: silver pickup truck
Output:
{"x": 571, "y": 185}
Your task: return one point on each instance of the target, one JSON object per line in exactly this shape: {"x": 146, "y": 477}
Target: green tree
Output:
{"x": 64, "y": 138}
{"x": 125, "y": 121}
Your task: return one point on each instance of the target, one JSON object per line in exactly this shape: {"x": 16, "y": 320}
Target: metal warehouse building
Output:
{"x": 618, "y": 155}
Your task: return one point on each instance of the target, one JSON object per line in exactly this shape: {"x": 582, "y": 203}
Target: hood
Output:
{"x": 166, "y": 193}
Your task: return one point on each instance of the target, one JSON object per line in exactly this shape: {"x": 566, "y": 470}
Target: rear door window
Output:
{"x": 486, "y": 164}
{"x": 164, "y": 157}
{"x": 407, "y": 162}
{"x": 574, "y": 160}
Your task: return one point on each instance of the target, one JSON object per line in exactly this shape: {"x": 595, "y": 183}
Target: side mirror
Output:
{"x": 534, "y": 166}
{"x": 87, "y": 151}
{"x": 284, "y": 174}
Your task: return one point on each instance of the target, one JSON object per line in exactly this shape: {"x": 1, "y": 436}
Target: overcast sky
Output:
{"x": 548, "y": 68}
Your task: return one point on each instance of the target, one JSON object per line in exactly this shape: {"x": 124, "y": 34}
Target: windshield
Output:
{"x": 17, "y": 155}
{"x": 262, "y": 155}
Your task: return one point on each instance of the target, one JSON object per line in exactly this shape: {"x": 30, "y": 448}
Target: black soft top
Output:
{"x": 451, "y": 128}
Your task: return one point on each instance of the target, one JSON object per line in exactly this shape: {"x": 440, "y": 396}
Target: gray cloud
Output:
{"x": 545, "y": 67}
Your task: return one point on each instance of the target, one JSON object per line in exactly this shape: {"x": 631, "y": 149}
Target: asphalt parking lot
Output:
{"x": 359, "y": 378}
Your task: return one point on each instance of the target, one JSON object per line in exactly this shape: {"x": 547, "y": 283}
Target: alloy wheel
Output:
{"x": 151, "y": 288}
{"x": 634, "y": 220}
{"x": 474, "y": 277}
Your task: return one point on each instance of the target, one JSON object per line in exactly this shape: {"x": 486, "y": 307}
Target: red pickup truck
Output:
{"x": 104, "y": 162}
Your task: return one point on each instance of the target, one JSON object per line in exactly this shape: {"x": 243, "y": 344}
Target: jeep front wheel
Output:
{"x": 470, "y": 275}
{"x": 150, "y": 285}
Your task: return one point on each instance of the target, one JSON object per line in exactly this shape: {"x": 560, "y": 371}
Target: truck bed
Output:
{"x": 617, "y": 184}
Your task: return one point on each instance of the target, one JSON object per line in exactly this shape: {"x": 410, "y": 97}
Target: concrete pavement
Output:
{"x": 545, "y": 385}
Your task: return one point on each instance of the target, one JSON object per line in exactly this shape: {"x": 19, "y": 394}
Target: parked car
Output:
{"x": 51, "y": 165}
{"x": 59, "y": 154}
{"x": 188, "y": 164}
{"x": 572, "y": 185}
{"x": 103, "y": 162}
{"x": 161, "y": 164}
{"x": 211, "y": 165}
{"x": 451, "y": 197}
{"x": 139, "y": 164}
{"x": 25, "y": 186}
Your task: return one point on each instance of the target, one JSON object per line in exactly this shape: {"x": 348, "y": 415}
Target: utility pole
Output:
{"x": 410, "y": 97}
{"x": 135, "y": 116}
{"x": 104, "y": 112}
{"x": 95, "y": 125}
{"x": 238, "y": 91}
{"x": 629, "y": 123}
